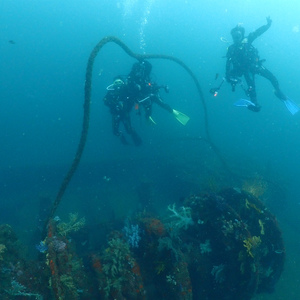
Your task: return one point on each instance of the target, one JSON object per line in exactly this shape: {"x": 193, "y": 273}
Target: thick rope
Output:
{"x": 86, "y": 107}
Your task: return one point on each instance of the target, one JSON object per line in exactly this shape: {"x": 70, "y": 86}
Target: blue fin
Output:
{"x": 243, "y": 103}
{"x": 291, "y": 106}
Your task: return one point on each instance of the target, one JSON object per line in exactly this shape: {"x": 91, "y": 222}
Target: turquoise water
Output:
{"x": 44, "y": 50}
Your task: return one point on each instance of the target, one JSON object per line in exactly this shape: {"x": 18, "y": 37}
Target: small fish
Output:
{"x": 12, "y": 42}
{"x": 217, "y": 76}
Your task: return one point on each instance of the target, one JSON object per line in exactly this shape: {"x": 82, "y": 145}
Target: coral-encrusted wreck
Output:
{"x": 216, "y": 246}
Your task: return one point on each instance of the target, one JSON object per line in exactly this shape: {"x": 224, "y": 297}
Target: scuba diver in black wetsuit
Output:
{"x": 146, "y": 92}
{"x": 243, "y": 60}
{"x": 120, "y": 104}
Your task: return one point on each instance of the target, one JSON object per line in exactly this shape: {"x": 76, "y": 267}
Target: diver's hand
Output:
{"x": 269, "y": 21}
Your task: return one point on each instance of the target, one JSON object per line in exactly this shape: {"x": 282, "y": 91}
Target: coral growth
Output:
{"x": 2, "y": 250}
{"x": 132, "y": 234}
{"x": 257, "y": 186}
{"x": 181, "y": 218}
{"x": 119, "y": 276}
{"x": 205, "y": 247}
{"x": 67, "y": 275}
{"x": 217, "y": 246}
{"x": 73, "y": 225}
{"x": 69, "y": 285}
{"x": 218, "y": 273}
{"x": 154, "y": 226}
{"x": 17, "y": 289}
{"x": 251, "y": 244}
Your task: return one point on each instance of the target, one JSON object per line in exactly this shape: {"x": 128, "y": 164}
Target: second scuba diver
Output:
{"x": 243, "y": 60}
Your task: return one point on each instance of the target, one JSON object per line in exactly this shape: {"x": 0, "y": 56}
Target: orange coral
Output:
{"x": 154, "y": 226}
{"x": 52, "y": 267}
{"x": 97, "y": 264}
{"x": 136, "y": 269}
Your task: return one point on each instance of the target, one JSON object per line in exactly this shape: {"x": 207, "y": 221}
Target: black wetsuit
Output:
{"x": 146, "y": 93}
{"x": 120, "y": 104}
{"x": 243, "y": 60}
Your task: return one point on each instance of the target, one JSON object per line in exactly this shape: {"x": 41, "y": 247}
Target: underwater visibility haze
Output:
{"x": 217, "y": 196}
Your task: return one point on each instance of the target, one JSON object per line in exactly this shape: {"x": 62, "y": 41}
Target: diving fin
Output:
{"x": 180, "y": 117}
{"x": 291, "y": 105}
{"x": 243, "y": 103}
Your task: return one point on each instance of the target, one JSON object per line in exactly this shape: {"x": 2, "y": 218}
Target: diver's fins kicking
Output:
{"x": 291, "y": 105}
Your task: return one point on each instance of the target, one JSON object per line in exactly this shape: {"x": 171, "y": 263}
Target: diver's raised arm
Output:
{"x": 253, "y": 35}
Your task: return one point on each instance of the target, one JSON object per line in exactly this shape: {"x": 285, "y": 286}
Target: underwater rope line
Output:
{"x": 86, "y": 108}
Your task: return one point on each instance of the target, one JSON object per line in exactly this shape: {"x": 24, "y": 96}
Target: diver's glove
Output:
{"x": 269, "y": 21}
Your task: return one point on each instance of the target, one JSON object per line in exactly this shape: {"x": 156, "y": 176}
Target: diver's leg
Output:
{"x": 162, "y": 104}
{"x": 116, "y": 124}
{"x": 251, "y": 91}
{"x": 148, "y": 110}
{"x": 264, "y": 72}
{"x": 127, "y": 124}
{"x": 116, "y": 119}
